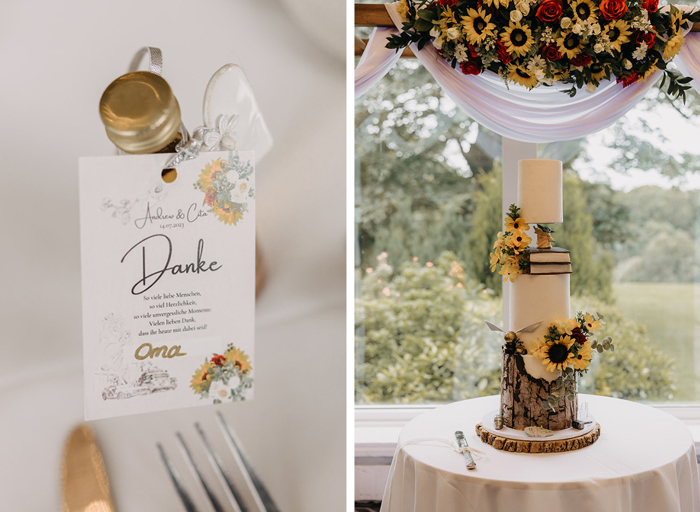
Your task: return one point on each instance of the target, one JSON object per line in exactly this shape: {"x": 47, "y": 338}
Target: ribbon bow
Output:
{"x": 476, "y": 454}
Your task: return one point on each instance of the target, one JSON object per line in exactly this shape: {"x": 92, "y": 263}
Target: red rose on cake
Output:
{"x": 549, "y": 11}
{"x": 578, "y": 336}
{"x": 613, "y": 9}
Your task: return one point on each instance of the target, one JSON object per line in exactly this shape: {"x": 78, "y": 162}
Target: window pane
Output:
{"x": 644, "y": 211}
{"x": 428, "y": 188}
{"x": 429, "y": 200}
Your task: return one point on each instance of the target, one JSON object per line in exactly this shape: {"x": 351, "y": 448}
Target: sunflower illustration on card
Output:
{"x": 223, "y": 377}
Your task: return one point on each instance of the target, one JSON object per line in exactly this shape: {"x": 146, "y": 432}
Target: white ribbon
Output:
{"x": 475, "y": 453}
{"x": 155, "y": 60}
{"x": 189, "y": 147}
{"x": 221, "y": 136}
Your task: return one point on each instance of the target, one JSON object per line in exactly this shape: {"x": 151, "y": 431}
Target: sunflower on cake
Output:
{"x": 545, "y": 348}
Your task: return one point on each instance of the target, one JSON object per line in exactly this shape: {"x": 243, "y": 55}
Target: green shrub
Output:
{"x": 636, "y": 370}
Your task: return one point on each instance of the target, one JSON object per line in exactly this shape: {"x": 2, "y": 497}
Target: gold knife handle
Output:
{"x": 84, "y": 478}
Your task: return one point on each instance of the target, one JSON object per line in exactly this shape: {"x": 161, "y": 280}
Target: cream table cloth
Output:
{"x": 643, "y": 461}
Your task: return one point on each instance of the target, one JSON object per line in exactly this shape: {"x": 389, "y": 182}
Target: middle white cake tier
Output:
{"x": 533, "y": 299}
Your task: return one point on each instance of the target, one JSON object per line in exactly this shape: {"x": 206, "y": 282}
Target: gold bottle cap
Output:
{"x": 140, "y": 112}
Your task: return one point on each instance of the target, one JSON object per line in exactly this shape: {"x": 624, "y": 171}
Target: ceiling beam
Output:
{"x": 407, "y": 52}
{"x": 375, "y": 15}
{"x": 372, "y": 15}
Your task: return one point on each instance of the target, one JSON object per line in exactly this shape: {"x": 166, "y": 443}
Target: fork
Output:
{"x": 261, "y": 496}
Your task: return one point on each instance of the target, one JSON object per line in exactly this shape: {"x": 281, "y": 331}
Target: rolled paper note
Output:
{"x": 540, "y": 191}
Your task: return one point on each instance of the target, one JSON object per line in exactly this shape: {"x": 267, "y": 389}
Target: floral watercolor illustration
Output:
{"x": 226, "y": 187}
{"x": 224, "y": 376}
{"x": 124, "y": 208}
{"x": 117, "y": 376}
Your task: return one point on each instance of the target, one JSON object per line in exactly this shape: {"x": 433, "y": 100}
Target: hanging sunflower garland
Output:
{"x": 539, "y": 42}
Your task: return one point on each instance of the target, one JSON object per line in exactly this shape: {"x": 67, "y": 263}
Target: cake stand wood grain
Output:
{"x": 541, "y": 446}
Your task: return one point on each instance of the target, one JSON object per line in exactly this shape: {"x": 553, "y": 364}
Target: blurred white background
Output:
{"x": 57, "y": 58}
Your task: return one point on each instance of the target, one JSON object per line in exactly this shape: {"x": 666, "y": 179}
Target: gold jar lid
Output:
{"x": 140, "y": 112}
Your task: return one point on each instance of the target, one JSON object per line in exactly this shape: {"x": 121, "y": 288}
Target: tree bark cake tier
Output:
{"x": 522, "y": 396}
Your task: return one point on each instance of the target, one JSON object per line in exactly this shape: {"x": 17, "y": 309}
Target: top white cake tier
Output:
{"x": 540, "y": 191}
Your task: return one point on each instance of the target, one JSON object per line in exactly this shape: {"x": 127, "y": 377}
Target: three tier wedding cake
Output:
{"x": 545, "y": 348}
{"x": 536, "y": 298}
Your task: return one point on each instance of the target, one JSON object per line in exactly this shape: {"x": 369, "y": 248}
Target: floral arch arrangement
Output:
{"x": 538, "y": 42}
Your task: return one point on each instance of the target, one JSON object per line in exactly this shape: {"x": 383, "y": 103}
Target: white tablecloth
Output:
{"x": 643, "y": 461}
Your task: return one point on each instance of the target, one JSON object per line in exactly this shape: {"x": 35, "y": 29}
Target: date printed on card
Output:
{"x": 168, "y": 282}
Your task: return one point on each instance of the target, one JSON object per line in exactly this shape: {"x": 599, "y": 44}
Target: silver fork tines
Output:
{"x": 177, "y": 481}
{"x": 258, "y": 491}
{"x": 262, "y": 498}
{"x": 192, "y": 465}
{"x": 231, "y": 492}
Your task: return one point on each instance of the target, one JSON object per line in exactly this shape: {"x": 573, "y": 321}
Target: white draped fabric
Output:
{"x": 688, "y": 61}
{"x": 376, "y": 60}
{"x": 644, "y": 461}
{"x": 544, "y": 114}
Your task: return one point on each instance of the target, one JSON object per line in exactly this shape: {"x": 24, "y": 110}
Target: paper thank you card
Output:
{"x": 168, "y": 280}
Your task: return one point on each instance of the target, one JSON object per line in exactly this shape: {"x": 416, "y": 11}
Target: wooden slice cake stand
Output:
{"x": 540, "y": 445}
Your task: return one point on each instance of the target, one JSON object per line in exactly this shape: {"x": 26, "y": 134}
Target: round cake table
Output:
{"x": 643, "y": 461}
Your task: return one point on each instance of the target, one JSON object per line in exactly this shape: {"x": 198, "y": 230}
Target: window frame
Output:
{"x": 377, "y": 425}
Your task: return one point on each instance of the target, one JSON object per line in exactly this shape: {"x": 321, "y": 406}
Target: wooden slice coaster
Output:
{"x": 541, "y": 446}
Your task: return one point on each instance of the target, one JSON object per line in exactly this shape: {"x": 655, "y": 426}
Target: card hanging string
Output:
{"x": 203, "y": 138}
{"x": 155, "y": 60}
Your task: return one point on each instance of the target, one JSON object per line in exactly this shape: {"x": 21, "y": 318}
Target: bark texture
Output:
{"x": 516, "y": 445}
{"x": 522, "y": 396}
